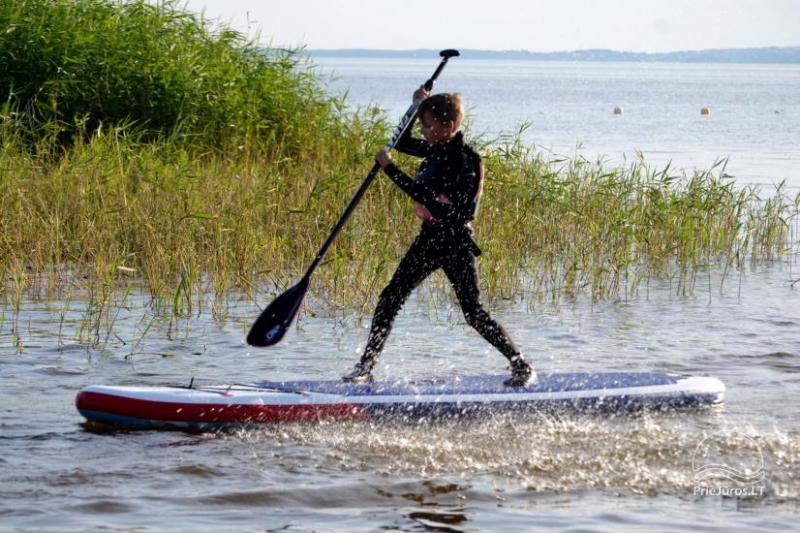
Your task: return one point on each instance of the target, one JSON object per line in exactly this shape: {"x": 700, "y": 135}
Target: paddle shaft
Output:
{"x": 270, "y": 327}
{"x": 411, "y": 112}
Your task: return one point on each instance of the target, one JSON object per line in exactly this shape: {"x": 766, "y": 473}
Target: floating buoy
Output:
{"x": 705, "y": 111}
{"x": 617, "y": 110}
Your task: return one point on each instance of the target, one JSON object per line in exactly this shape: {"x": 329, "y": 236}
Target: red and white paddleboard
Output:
{"x": 225, "y": 406}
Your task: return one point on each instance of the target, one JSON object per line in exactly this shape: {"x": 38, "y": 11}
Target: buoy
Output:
{"x": 617, "y": 110}
{"x": 705, "y": 111}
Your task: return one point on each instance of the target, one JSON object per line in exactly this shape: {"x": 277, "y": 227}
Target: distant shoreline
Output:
{"x": 769, "y": 55}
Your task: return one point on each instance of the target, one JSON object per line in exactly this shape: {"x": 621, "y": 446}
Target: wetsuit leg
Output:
{"x": 417, "y": 265}
{"x": 462, "y": 273}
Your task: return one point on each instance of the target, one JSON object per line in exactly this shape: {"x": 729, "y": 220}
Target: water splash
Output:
{"x": 648, "y": 454}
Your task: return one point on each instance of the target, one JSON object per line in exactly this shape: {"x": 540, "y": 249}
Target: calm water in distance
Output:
{"x": 505, "y": 473}
{"x": 754, "y": 120}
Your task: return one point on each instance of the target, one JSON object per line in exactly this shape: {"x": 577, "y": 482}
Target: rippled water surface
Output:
{"x": 510, "y": 472}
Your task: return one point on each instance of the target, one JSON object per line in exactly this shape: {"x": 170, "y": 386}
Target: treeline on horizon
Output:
{"x": 772, "y": 54}
{"x": 143, "y": 146}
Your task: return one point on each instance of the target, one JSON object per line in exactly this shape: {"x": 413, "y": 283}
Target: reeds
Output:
{"x": 114, "y": 211}
{"x": 606, "y": 229}
{"x": 146, "y": 150}
{"x": 68, "y": 68}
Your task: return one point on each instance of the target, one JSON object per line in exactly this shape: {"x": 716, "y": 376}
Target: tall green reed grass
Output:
{"x": 112, "y": 212}
{"x": 142, "y": 148}
{"x": 606, "y": 229}
{"x": 74, "y": 67}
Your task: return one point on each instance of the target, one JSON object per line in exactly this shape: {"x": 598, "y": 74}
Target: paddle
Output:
{"x": 271, "y": 325}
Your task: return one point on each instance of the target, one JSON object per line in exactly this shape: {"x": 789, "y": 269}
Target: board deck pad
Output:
{"x": 223, "y": 406}
{"x": 490, "y": 384}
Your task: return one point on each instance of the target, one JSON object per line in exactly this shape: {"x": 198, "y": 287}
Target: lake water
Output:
{"x": 506, "y": 473}
{"x": 754, "y": 109}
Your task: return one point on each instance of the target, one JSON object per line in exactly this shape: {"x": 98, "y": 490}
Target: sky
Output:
{"x": 534, "y": 25}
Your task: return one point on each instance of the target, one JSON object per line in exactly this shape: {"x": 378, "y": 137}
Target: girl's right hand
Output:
{"x": 420, "y": 94}
{"x": 383, "y": 158}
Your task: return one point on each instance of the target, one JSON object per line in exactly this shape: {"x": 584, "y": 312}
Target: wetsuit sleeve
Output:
{"x": 417, "y": 190}
{"x": 458, "y": 211}
{"x": 401, "y": 179}
{"x": 461, "y": 182}
{"x": 425, "y": 191}
{"x": 410, "y": 145}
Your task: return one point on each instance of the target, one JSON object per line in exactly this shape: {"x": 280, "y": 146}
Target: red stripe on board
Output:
{"x": 216, "y": 413}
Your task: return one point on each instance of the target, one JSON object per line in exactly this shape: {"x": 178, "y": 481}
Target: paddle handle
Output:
{"x": 407, "y": 119}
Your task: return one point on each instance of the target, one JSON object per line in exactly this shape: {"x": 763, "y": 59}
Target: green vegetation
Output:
{"x": 141, "y": 147}
{"x": 588, "y": 226}
{"x": 71, "y": 68}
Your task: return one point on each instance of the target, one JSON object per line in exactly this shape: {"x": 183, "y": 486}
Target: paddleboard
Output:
{"x": 226, "y": 406}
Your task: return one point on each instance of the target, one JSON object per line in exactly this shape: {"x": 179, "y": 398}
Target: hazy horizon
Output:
{"x": 558, "y": 51}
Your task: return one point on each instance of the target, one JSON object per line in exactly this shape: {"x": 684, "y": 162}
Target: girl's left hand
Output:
{"x": 420, "y": 94}
{"x": 383, "y": 158}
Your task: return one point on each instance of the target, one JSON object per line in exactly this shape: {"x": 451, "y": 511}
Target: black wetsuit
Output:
{"x": 454, "y": 171}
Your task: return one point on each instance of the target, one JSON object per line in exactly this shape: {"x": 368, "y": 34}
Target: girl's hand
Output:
{"x": 420, "y": 94}
{"x": 383, "y": 158}
{"x": 422, "y": 212}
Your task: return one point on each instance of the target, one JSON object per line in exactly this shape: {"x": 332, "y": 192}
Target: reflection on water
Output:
{"x": 508, "y": 471}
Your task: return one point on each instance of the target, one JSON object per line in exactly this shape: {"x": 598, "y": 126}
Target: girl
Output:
{"x": 446, "y": 191}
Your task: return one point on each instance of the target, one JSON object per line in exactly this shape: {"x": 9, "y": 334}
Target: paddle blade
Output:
{"x": 271, "y": 326}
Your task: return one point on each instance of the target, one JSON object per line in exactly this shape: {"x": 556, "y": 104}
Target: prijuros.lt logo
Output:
{"x": 728, "y": 466}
